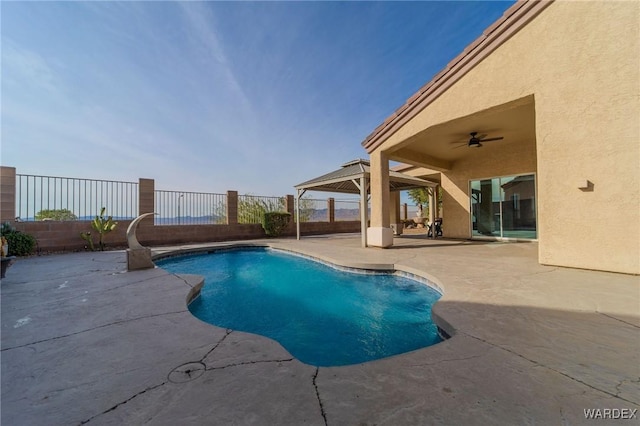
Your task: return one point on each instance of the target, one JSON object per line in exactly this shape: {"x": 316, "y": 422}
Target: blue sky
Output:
{"x": 211, "y": 96}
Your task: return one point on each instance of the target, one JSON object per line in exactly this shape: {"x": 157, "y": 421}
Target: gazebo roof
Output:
{"x": 342, "y": 180}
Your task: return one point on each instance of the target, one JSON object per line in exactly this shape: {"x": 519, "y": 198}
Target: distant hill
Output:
{"x": 190, "y": 220}
{"x": 320, "y": 215}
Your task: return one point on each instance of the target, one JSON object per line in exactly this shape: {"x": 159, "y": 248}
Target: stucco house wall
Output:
{"x": 578, "y": 63}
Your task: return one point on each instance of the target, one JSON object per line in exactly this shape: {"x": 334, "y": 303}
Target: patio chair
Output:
{"x": 435, "y": 228}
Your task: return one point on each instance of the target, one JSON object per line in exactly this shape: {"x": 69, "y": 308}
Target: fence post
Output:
{"x": 331, "y": 210}
{"x": 232, "y": 207}
{"x": 290, "y": 205}
{"x": 7, "y": 194}
{"x": 146, "y": 200}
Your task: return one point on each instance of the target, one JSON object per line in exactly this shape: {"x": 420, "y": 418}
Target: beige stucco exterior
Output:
{"x": 565, "y": 92}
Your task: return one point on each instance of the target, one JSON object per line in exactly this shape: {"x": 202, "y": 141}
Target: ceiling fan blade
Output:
{"x": 492, "y": 139}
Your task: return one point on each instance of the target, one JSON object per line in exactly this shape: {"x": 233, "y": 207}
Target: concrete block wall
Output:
{"x": 184, "y": 234}
{"x": 57, "y": 236}
{"x": 321, "y": 228}
{"x": 54, "y": 236}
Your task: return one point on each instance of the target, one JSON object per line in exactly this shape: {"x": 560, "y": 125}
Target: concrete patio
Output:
{"x": 84, "y": 342}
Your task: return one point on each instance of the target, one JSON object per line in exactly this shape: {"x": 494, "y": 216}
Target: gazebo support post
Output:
{"x": 298, "y": 214}
{"x": 363, "y": 210}
{"x": 364, "y": 204}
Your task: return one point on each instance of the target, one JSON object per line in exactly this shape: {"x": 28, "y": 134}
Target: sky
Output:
{"x": 214, "y": 96}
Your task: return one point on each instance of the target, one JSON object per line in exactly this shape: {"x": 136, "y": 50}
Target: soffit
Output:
{"x": 447, "y": 142}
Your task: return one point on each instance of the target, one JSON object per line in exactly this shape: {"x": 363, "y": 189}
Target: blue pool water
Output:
{"x": 322, "y": 316}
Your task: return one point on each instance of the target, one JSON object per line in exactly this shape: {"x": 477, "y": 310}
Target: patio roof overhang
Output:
{"x": 353, "y": 178}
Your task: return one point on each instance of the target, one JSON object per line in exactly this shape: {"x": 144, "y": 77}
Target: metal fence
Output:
{"x": 313, "y": 210}
{"x": 189, "y": 208}
{"x": 251, "y": 208}
{"x": 316, "y": 210}
{"x": 347, "y": 210}
{"x": 62, "y": 198}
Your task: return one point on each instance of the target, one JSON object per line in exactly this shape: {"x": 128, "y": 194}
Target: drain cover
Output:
{"x": 187, "y": 372}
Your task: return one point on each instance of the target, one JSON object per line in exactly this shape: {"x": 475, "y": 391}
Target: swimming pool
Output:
{"x": 323, "y": 316}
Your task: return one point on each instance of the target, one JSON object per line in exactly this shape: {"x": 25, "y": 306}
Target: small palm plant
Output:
{"x": 102, "y": 226}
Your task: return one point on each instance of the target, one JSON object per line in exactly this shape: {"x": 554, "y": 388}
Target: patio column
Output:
{"x": 380, "y": 233}
{"x": 432, "y": 208}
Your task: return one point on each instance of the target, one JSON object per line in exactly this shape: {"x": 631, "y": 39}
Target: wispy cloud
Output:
{"x": 200, "y": 25}
{"x": 20, "y": 64}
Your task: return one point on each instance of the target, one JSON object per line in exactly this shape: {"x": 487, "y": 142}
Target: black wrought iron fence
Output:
{"x": 63, "y": 198}
{"x": 189, "y": 208}
{"x": 251, "y": 208}
{"x": 313, "y": 210}
{"x": 347, "y": 210}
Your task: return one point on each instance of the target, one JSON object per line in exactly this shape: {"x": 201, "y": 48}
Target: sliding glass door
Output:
{"x": 504, "y": 207}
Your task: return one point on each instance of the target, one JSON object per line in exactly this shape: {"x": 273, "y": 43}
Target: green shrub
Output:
{"x": 275, "y": 222}
{"x": 58, "y": 214}
{"x": 103, "y": 225}
{"x": 20, "y": 244}
{"x": 6, "y": 228}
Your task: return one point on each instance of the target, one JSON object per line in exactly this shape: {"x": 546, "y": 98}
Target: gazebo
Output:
{"x": 353, "y": 178}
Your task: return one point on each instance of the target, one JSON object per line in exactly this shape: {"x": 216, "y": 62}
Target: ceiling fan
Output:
{"x": 476, "y": 141}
